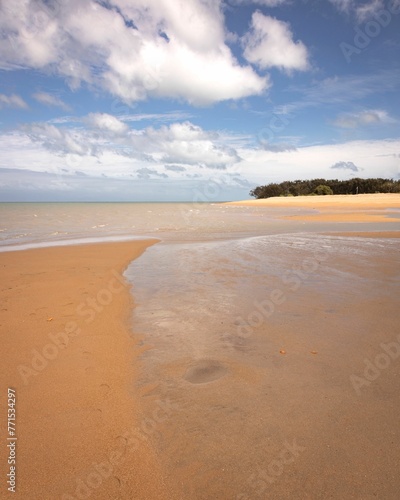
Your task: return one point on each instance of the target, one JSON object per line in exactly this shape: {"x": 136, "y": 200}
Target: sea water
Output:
{"x": 35, "y": 224}
{"x": 62, "y": 223}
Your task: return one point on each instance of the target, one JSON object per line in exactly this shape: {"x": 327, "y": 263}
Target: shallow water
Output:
{"x": 35, "y": 224}
{"x": 31, "y": 223}
{"x": 254, "y": 341}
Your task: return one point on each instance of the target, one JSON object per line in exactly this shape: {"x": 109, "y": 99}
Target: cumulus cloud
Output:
{"x": 60, "y": 140}
{"x": 270, "y": 44}
{"x": 12, "y": 101}
{"x": 30, "y": 171}
{"x": 133, "y": 50}
{"x": 106, "y": 122}
{"x": 363, "y": 118}
{"x": 176, "y": 146}
{"x": 185, "y": 143}
{"x": 345, "y": 165}
{"x": 50, "y": 100}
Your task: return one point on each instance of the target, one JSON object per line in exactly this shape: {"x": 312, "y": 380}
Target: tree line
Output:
{"x": 323, "y": 186}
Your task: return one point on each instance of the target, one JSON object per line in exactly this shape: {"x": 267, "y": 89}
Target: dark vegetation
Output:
{"x": 323, "y": 187}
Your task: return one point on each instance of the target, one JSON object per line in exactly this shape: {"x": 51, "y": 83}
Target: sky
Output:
{"x": 194, "y": 100}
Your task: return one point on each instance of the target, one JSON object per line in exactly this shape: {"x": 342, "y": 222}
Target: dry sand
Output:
{"x": 76, "y": 412}
{"x": 337, "y": 208}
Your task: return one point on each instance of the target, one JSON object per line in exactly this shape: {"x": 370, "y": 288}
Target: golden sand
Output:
{"x": 337, "y": 208}
{"x": 68, "y": 354}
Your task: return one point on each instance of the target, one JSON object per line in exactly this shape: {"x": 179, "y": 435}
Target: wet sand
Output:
{"x": 262, "y": 346}
{"x": 68, "y": 353}
{"x": 369, "y": 234}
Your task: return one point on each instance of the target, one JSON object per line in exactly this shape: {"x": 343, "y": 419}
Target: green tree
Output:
{"x": 323, "y": 189}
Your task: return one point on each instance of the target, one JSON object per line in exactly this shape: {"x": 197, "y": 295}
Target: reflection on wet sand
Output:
{"x": 255, "y": 341}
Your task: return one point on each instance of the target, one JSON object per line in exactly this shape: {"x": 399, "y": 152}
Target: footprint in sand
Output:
{"x": 205, "y": 371}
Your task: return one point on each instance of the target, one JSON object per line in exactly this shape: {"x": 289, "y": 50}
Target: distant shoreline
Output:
{"x": 348, "y": 208}
{"x": 379, "y": 200}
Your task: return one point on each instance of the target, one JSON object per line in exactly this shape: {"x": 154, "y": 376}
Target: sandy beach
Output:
{"x": 253, "y": 367}
{"x": 164, "y": 335}
{"x": 334, "y": 208}
{"x": 69, "y": 355}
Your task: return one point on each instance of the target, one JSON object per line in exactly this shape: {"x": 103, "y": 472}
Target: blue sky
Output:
{"x": 194, "y": 100}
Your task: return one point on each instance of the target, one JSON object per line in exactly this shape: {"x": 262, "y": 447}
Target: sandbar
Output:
{"x": 362, "y": 208}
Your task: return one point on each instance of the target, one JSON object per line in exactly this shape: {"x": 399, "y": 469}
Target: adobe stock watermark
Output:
{"x": 59, "y": 341}
{"x": 259, "y": 481}
{"x": 370, "y": 30}
{"x": 292, "y": 280}
{"x": 131, "y": 440}
{"x": 374, "y": 368}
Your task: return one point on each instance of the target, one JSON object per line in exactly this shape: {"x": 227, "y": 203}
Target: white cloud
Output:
{"x": 180, "y": 144}
{"x": 364, "y": 118}
{"x": 13, "y": 101}
{"x": 369, "y": 9}
{"x": 60, "y": 140}
{"x": 361, "y": 10}
{"x": 30, "y": 167}
{"x": 140, "y": 49}
{"x": 270, "y": 44}
{"x": 50, "y": 100}
{"x": 185, "y": 144}
{"x": 106, "y": 122}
